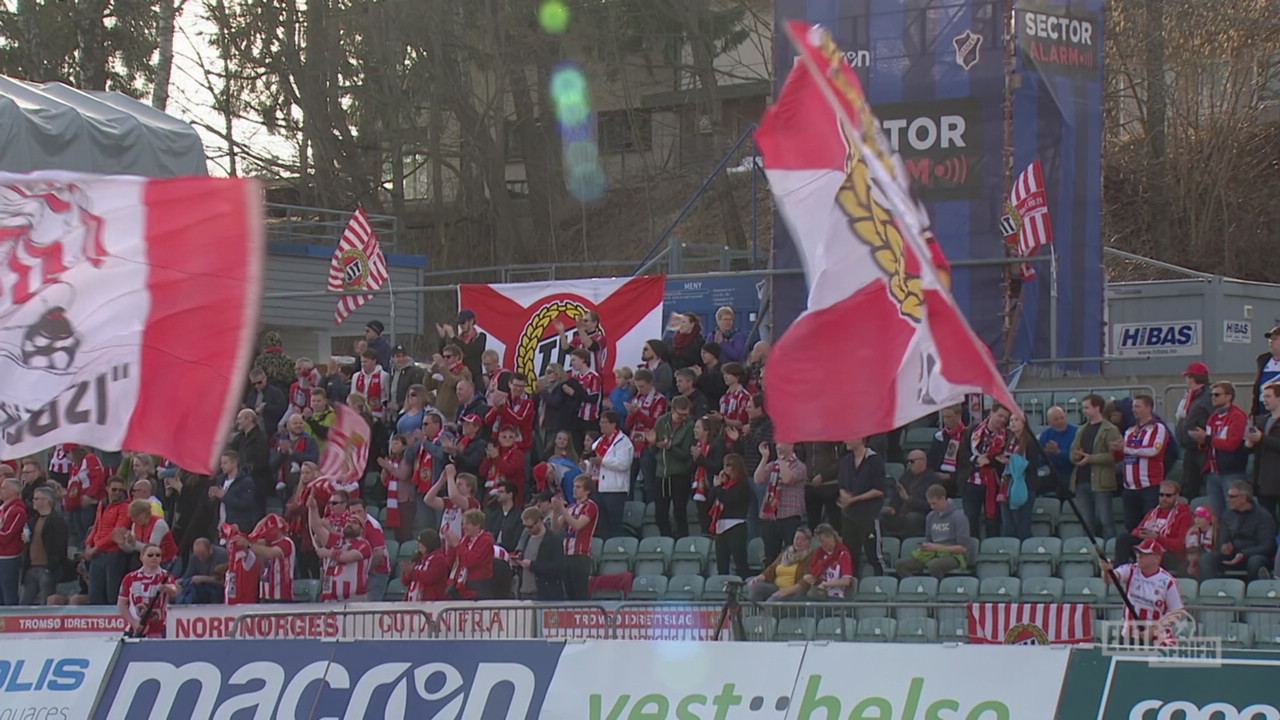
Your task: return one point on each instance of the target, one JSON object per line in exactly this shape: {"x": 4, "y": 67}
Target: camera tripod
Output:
{"x": 731, "y": 613}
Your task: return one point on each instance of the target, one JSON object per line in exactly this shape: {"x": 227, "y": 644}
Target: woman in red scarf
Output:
{"x": 400, "y": 500}
{"x": 426, "y": 576}
{"x": 686, "y": 344}
{"x": 990, "y": 448}
{"x": 728, "y": 515}
{"x": 708, "y": 458}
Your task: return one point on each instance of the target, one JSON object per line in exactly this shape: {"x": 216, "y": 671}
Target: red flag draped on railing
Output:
{"x": 1030, "y": 623}
{"x": 357, "y": 264}
{"x": 346, "y": 452}
{"x": 876, "y": 300}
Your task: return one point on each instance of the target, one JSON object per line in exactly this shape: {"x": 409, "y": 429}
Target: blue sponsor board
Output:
{"x": 705, "y": 296}
{"x": 393, "y": 680}
{"x": 1158, "y": 339}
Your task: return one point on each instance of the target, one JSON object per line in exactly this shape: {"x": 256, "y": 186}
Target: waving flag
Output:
{"x": 1026, "y": 222}
{"x": 876, "y": 301}
{"x": 357, "y": 264}
{"x": 346, "y": 451}
{"x": 128, "y": 308}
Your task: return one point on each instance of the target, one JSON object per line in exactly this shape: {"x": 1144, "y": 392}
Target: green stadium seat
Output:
{"x": 909, "y": 546}
{"x": 1042, "y": 589}
{"x": 878, "y": 588}
{"x": 837, "y": 629}
{"x": 1089, "y": 590}
{"x": 633, "y": 518}
{"x": 890, "y": 547}
{"x": 618, "y": 555}
{"x": 306, "y": 590}
{"x": 954, "y": 627}
{"x": 997, "y": 557}
{"x": 893, "y": 470}
{"x": 689, "y": 555}
{"x": 395, "y": 590}
{"x": 716, "y": 588}
{"x": 1044, "y": 516}
{"x": 918, "y": 438}
{"x": 917, "y": 630}
{"x": 407, "y": 550}
{"x": 914, "y": 590}
{"x": 876, "y": 629}
{"x": 760, "y": 627}
{"x": 1265, "y": 627}
{"x": 1238, "y": 634}
{"x": 999, "y": 589}
{"x": 686, "y": 588}
{"x": 1263, "y": 593}
{"x": 755, "y": 555}
{"x": 1189, "y": 590}
{"x": 958, "y": 589}
{"x": 653, "y": 555}
{"x": 1222, "y": 591}
{"x": 796, "y": 628}
{"x": 649, "y": 587}
{"x": 1038, "y": 557}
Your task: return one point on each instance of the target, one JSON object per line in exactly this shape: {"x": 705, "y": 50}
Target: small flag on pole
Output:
{"x": 1026, "y": 222}
{"x": 357, "y": 264}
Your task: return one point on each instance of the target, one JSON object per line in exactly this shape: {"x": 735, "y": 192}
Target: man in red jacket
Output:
{"x": 1167, "y": 523}
{"x": 471, "y": 577}
{"x": 107, "y": 562}
{"x": 1222, "y": 440}
{"x": 13, "y": 523}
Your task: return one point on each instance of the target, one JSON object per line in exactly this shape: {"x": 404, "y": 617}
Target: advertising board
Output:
{"x": 52, "y": 679}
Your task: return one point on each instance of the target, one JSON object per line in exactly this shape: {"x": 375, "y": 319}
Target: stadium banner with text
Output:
{"x": 390, "y": 680}
{"x": 1057, "y": 119}
{"x": 523, "y": 321}
{"x": 52, "y": 679}
{"x": 1237, "y": 685}
{"x": 61, "y": 622}
{"x": 933, "y": 73}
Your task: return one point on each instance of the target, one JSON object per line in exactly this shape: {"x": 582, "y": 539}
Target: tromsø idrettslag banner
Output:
{"x": 934, "y": 72}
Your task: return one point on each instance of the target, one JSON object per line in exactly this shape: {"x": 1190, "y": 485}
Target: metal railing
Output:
{"x": 933, "y": 621}
{"x": 321, "y": 226}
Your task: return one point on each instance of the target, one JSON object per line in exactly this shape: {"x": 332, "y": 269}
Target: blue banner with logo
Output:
{"x": 313, "y": 678}
{"x": 1057, "y": 118}
{"x": 933, "y": 72}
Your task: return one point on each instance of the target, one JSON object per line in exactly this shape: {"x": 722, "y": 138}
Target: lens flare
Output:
{"x": 553, "y": 16}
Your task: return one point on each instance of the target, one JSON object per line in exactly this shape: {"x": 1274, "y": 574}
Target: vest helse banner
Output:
{"x": 127, "y": 311}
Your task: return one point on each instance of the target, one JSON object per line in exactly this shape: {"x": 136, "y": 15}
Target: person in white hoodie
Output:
{"x": 611, "y": 456}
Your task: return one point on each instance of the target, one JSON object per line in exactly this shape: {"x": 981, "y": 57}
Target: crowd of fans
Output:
{"x": 501, "y": 482}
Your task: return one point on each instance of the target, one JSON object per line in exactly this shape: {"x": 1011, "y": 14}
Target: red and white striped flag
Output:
{"x": 357, "y": 264}
{"x": 346, "y": 452}
{"x": 1026, "y": 220}
{"x": 1030, "y": 624}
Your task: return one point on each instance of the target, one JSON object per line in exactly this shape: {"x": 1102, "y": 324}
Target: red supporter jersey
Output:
{"x": 599, "y": 355}
{"x": 578, "y": 542}
{"x": 589, "y": 410}
{"x": 518, "y": 413}
{"x": 139, "y": 588}
{"x": 88, "y": 478}
{"x": 376, "y": 538}
{"x": 60, "y": 460}
{"x": 733, "y": 405}
{"x": 241, "y": 582}
{"x": 276, "y": 581}
{"x": 13, "y": 520}
{"x": 829, "y": 566}
{"x": 648, "y": 408}
{"x": 344, "y": 581}
{"x": 1144, "y": 455}
{"x": 428, "y": 579}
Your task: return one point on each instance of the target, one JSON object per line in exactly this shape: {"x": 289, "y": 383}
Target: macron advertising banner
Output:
{"x": 518, "y": 680}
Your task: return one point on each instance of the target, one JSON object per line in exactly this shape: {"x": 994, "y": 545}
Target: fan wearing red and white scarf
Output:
{"x": 241, "y": 580}
{"x": 277, "y": 556}
{"x": 991, "y": 440}
{"x": 395, "y": 471}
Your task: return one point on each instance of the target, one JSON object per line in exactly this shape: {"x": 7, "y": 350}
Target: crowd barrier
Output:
{"x": 101, "y": 679}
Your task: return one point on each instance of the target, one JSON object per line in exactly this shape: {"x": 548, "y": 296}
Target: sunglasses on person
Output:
{"x": 335, "y": 502}
{"x": 259, "y": 384}
{"x": 1164, "y": 494}
{"x": 115, "y": 489}
{"x": 152, "y": 554}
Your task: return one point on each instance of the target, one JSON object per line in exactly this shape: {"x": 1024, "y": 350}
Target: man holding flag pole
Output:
{"x": 845, "y": 196}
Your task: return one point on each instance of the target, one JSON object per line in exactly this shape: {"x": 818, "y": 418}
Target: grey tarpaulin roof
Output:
{"x": 50, "y": 126}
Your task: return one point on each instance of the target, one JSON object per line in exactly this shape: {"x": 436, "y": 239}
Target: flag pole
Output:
{"x": 391, "y": 294}
{"x": 1012, "y": 277}
{"x": 1053, "y": 303}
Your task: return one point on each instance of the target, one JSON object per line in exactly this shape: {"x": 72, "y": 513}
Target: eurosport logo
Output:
{"x": 1183, "y": 710}
{"x": 291, "y": 678}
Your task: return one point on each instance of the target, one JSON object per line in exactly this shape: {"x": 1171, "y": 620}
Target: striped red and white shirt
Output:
{"x": 451, "y": 516}
{"x": 376, "y": 387}
{"x": 138, "y": 588}
{"x": 599, "y": 355}
{"x": 243, "y": 572}
{"x": 60, "y": 460}
{"x": 1153, "y": 596}
{"x": 589, "y": 410}
{"x": 1144, "y": 455}
{"x": 649, "y": 408}
{"x": 276, "y": 581}
{"x": 733, "y": 404}
{"x": 345, "y": 581}
{"x": 578, "y": 542}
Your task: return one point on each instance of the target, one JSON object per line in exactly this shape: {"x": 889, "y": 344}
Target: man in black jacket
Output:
{"x": 237, "y": 493}
{"x": 540, "y": 555}
{"x": 1248, "y": 536}
{"x": 265, "y": 399}
{"x": 862, "y": 482}
{"x": 1193, "y": 412}
{"x": 44, "y": 560}
{"x": 255, "y": 455}
{"x": 1264, "y": 440}
{"x": 949, "y": 454}
{"x": 504, "y": 519}
{"x": 405, "y": 373}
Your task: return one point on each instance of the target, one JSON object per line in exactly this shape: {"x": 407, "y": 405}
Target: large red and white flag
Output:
{"x": 1030, "y": 624}
{"x": 346, "y": 450}
{"x": 520, "y": 320}
{"x": 358, "y": 264}
{"x": 876, "y": 303}
{"x": 128, "y": 309}
{"x": 1026, "y": 222}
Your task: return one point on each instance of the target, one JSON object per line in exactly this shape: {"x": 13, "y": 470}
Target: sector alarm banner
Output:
{"x": 127, "y": 311}
{"x": 521, "y": 318}
{"x": 1057, "y": 118}
{"x": 934, "y": 76}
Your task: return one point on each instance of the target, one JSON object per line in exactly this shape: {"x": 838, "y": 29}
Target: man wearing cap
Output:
{"x": 464, "y": 334}
{"x": 470, "y": 402}
{"x": 1268, "y": 372}
{"x": 1193, "y": 413}
{"x": 375, "y": 341}
{"x": 1151, "y": 589}
{"x": 404, "y": 374}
